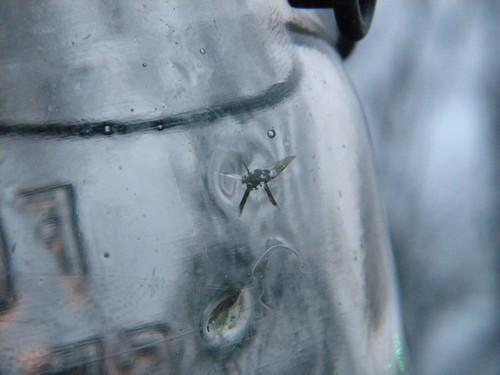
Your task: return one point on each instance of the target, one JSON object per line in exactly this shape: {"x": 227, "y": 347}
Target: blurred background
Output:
{"x": 428, "y": 75}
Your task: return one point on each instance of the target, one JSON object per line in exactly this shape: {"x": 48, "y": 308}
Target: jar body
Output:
{"x": 132, "y": 239}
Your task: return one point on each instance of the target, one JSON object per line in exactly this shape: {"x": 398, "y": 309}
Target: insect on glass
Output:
{"x": 260, "y": 177}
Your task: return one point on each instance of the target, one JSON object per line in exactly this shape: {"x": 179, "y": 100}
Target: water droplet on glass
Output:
{"x": 106, "y": 255}
{"x": 271, "y": 133}
{"x": 108, "y": 130}
{"x": 144, "y": 65}
{"x": 203, "y": 51}
{"x": 160, "y": 127}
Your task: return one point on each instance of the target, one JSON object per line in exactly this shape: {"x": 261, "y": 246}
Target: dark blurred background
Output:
{"x": 428, "y": 75}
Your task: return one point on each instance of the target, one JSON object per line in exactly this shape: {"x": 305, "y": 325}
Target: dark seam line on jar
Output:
{"x": 271, "y": 97}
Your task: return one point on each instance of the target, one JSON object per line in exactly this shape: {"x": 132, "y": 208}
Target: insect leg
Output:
{"x": 270, "y": 194}
{"x": 244, "y": 199}
{"x": 246, "y": 167}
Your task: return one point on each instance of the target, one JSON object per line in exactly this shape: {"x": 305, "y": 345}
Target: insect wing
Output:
{"x": 231, "y": 176}
{"x": 281, "y": 165}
